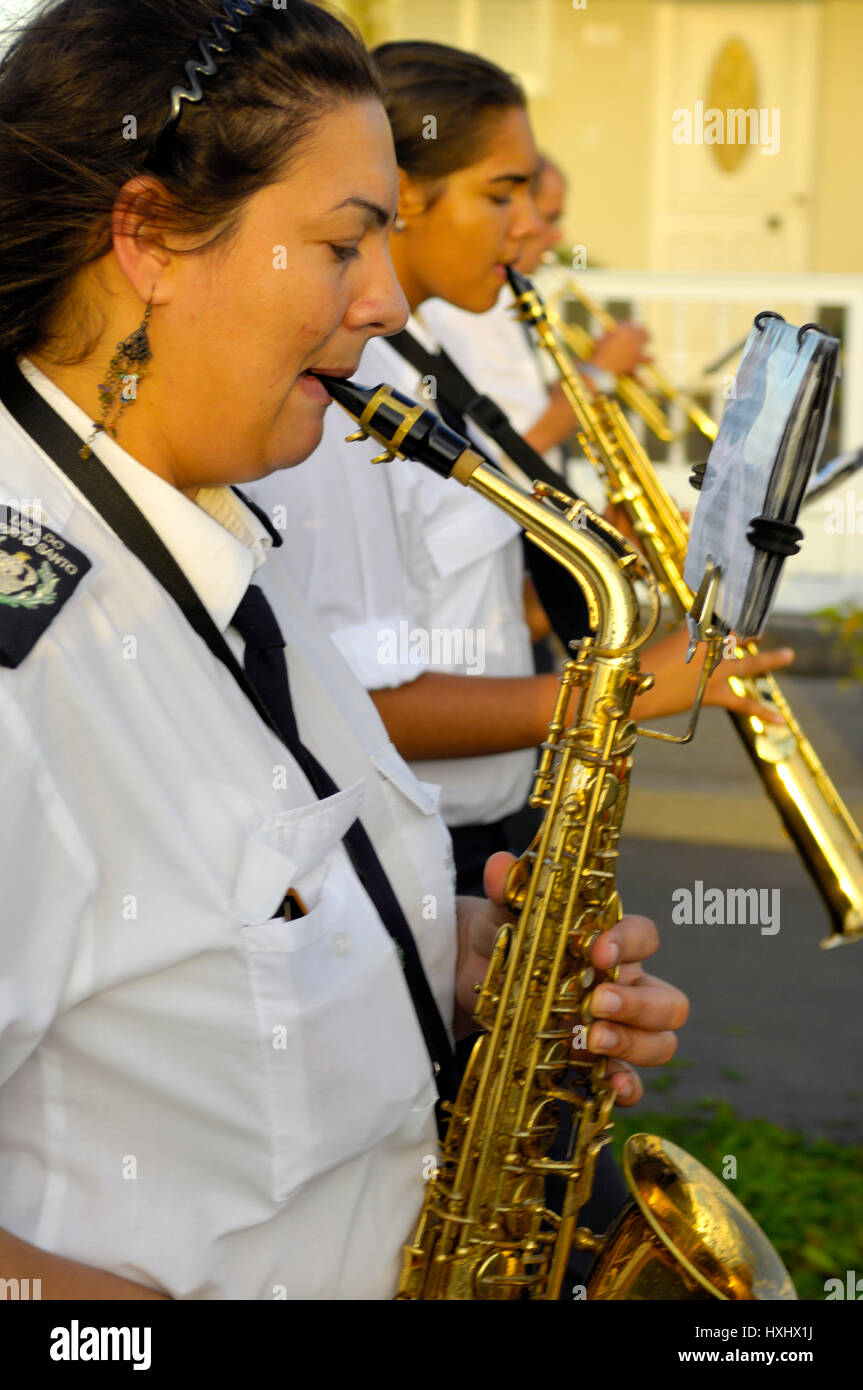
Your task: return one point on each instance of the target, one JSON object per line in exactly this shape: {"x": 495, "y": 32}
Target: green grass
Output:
{"x": 808, "y": 1197}
{"x": 845, "y": 624}
{"x": 731, "y": 1074}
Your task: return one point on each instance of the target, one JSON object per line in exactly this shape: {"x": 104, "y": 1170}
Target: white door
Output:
{"x": 712, "y": 56}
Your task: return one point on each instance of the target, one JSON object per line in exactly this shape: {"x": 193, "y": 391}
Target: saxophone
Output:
{"x": 486, "y": 1230}
{"x": 813, "y": 813}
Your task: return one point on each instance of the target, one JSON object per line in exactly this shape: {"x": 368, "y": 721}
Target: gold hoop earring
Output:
{"x": 124, "y": 372}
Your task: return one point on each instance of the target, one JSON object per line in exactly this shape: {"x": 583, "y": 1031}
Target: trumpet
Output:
{"x": 812, "y": 811}
{"x": 631, "y": 389}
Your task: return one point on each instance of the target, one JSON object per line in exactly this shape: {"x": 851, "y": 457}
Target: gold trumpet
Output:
{"x": 813, "y": 813}
{"x": 630, "y": 389}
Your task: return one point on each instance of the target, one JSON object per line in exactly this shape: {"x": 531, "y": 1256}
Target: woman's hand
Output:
{"x": 622, "y": 349}
{"x": 643, "y": 1012}
{"x": 676, "y": 683}
{"x": 556, "y": 424}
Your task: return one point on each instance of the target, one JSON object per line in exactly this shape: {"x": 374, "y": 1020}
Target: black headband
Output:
{"x": 236, "y": 11}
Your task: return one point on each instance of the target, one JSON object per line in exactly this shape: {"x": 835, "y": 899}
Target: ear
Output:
{"x": 140, "y": 254}
{"x": 416, "y": 196}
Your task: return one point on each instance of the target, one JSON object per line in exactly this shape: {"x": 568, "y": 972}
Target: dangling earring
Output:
{"x": 400, "y": 224}
{"x": 132, "y": 354}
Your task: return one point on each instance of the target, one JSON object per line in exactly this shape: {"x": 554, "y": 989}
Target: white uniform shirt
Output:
{"x": 501, "y": 361}
{"x": 495, "y": 354}
{"x": 195, "y": 1093}
{"x": 409, "y": 572}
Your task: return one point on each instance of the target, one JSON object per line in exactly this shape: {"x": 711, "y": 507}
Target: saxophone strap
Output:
{"x": 458, "y": 400}
{"x": 455, "y": 389}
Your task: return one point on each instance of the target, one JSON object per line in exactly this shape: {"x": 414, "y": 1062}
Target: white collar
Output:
{"x": 216, "y": 540}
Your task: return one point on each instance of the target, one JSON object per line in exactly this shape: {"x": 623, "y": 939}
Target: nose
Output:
{"x": 526, "y": 221}
{"x": 380, "y": 303}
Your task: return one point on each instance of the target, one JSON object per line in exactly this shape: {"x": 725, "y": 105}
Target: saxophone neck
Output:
{"x": 605, "y": 570}
{"x": 596, "y": 556}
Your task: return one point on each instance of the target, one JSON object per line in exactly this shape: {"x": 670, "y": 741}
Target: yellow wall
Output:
{"x": 596, "y": 122}
{"x": 596, "y": 116}
{"x": 837, "y": 222}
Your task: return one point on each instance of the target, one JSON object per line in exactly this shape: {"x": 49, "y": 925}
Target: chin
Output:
{"x": 303, "y": 440}
{"x": 480, "y": 300}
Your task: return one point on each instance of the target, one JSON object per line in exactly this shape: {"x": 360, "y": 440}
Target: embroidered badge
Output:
{"x": 39, "y": 571}
{"x": 21, "y": 586}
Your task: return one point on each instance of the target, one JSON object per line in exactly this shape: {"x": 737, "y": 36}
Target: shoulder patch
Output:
{"x": 39, "y": 571}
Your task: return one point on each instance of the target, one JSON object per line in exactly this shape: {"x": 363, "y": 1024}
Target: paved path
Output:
{"x": 777, "y": 1024}
{"x": 708, "y": 791}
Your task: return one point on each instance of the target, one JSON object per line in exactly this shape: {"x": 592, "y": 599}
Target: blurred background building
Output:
{"x": 685, "y": 224}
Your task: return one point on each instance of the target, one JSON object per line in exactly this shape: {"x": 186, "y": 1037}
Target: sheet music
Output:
{"x": 769, "y": 439}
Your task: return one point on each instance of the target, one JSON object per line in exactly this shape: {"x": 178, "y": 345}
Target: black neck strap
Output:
{"x": 454, "y": 387}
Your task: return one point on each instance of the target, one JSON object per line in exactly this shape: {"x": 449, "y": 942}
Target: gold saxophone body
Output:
{"x": 812, "y": 811}
{"x": 486, "y": 1230}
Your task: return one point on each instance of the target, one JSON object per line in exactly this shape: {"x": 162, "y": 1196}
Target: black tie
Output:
{"x": 267, "y": 670}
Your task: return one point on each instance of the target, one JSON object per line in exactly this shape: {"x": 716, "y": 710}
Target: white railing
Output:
{"x": 694, "y": 318}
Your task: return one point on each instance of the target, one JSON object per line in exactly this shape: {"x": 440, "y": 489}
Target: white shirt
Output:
{"x": 409, "y": 572}
{"x": 195, "y": 1093}
{"x": 498, "y": 357}
{"x": 495, "y": 354}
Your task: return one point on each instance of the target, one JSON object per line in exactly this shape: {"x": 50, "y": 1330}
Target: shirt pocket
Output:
{"x": 292, "y": 849}
{"x": 462, "y": 535}
{"x": 343, "y": 1059}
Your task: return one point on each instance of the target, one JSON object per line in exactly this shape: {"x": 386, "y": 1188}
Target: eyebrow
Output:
{"x": 380, "y": 216}
{"x": 512, "y": 178}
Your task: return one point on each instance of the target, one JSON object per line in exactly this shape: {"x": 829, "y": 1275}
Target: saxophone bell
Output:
{"x": 683, "y": 1235}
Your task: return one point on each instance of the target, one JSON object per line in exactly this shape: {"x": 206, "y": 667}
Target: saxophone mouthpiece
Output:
{"x": 350, "y": 397}
{"x": 519, "y": 283}
{"x": 404, "y": 427}
{"x": 528, "y": 305}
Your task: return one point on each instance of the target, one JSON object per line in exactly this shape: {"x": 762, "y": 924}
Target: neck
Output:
{"x": 136, "y": 432}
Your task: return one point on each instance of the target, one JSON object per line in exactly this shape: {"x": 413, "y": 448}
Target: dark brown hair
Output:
{"x": 463, "y": 92}
{"x": 72, "y": 79}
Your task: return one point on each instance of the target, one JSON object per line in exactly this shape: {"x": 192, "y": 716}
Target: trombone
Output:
{"x": 630, "y": 389}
